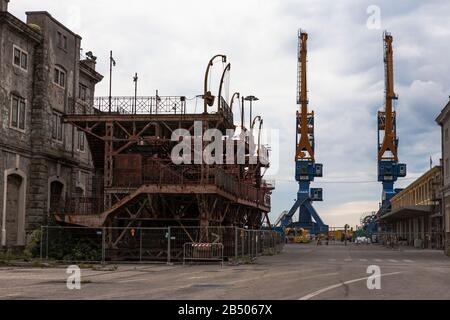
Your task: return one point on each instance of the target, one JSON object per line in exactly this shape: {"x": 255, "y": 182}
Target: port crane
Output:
{"x": 389, "y": 168}
{"x": 306, "y": 168}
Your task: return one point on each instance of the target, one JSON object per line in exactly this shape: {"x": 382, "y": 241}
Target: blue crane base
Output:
{"x": 305, "y": 172}
{"x": 307, "y": 213}
{"x": 388, "y": 173}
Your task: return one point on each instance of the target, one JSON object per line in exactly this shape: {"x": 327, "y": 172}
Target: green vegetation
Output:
{"x": 269, "y": 252}
{"x": 73, "y": 245}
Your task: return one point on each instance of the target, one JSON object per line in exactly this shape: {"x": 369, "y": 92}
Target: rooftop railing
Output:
{"x": 141, "y": 105}
{"x": 145, "y": 105}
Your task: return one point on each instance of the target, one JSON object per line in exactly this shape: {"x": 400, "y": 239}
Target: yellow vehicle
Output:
{"x": 303, "y": 236}
{"x": 338, "y": 235}
{"x": 297, "y": 235}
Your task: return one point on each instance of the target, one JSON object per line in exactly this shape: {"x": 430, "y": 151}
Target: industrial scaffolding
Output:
{"x": 138, "y": 185}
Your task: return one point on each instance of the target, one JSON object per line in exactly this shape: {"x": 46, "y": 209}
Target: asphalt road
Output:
{"x": 300, "y": 272}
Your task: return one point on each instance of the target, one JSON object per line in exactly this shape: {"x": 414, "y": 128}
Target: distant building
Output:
{"x": 444, "y": 121}
{"x": 42, "y": 160}
{"x": 415, "y": 217}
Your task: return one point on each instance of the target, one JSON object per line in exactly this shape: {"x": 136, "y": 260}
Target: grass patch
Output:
{"x": 245, "y": 260}
{"x": 269, "y": 252}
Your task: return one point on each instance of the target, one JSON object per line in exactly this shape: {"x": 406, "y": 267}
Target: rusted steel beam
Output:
{"x": 99, "y": 219}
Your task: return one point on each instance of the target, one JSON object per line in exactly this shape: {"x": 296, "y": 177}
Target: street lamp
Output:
{"x": 251, "y": 99}
{"x": 235, "y": 95}
{"x": 219, "y": 97}
{"x": 261, "y": 122}
{"x": 207, "y": 95}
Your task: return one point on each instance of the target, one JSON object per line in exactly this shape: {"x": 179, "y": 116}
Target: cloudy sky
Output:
{"x": 169, "y": 43}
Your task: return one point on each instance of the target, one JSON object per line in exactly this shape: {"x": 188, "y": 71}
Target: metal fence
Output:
{"x": 158, "y": 245}
{"x": 203, "y": 252}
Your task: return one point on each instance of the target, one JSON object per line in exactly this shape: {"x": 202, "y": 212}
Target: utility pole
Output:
{"x": 345, "y": 234}
{"x": 242, "y": 114}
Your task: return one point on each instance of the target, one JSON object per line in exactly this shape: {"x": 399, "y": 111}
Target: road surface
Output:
{"x": 305, "y": 272}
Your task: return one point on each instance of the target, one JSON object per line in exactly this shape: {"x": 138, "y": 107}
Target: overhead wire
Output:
{"x": 344, "y": 182}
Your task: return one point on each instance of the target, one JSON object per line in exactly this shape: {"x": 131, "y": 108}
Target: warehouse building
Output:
{"x": 415, "y": 217}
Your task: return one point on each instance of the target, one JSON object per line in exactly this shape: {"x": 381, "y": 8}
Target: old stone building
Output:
{"x": 444, "y": 121}
{"x": 42, "y": 160}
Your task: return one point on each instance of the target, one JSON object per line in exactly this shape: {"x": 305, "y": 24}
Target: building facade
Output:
{"x": 444, "y": 121}
{"x": 43, "y": 160}
{"x": 415, "y": 217}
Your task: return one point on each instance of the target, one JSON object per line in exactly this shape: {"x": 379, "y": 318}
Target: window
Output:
{"x": 57, "y": 127}
{"x": 17, "y": 114}
{"x": 62, "y": 41}
{"x": 20, "y": 58}
{"x": 446, "y": 134}
{"x": 83, "y": 92}
{"x": 81, "y": 141}
{"x": 60, "y": 77}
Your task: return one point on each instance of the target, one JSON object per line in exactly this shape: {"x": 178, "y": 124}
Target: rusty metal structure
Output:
{"x": 138, "y": 185}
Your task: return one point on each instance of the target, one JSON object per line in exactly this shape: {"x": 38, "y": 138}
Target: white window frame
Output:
{"x": 19, "y": 101}
{"x": 60, "y": 127}
{"x": 80, "y": 134}
{"x": 22, "y": 52}
{"x": 57, "y": 82}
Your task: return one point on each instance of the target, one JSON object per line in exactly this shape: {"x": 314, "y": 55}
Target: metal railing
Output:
{"x": 419, "y": 240}
{"x": 154, "y": 245}
{"x": 133, "y": 105}
{"x": 141, "y": 105}
{"x": 160, "y": 174}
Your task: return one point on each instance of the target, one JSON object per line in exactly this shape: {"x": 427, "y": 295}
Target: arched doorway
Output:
{"x": 56, "y": 197}
{"x": 13, "y": 213}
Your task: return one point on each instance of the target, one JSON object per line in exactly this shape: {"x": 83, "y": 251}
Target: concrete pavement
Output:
{"x": 300, "y": 272}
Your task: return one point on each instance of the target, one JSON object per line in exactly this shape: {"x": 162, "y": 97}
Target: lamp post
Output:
{"x": 207, "y": 96}
{"x": 219, "y": 97}
{"x": 135, "y": 80}
{"x": 112, "y": 63}
{"x": 242, "y": 113}
{"x": 251, "y": 99}
{"x": 235, "y": 95}
{"x": 261, "y": 122}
